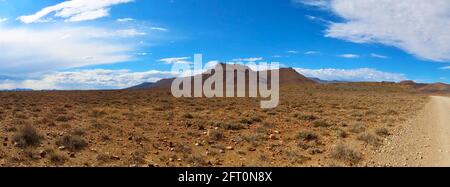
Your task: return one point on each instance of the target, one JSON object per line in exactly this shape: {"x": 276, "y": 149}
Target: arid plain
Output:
{"x": 342, "y": 124}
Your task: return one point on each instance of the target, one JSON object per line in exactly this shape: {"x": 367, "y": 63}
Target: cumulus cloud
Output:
{"x": 74, "y": 10}
{"x": 415, "y": 26}
{"x": 175, "y": 60}
{"x": 88, "y": 79}
{"x": 362, "y": 74}
{"x": 348, "y": 56}
{"x": 28, "y": 50}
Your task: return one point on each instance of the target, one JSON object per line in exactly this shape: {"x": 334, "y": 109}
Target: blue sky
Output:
{"x": 82, "y": 44}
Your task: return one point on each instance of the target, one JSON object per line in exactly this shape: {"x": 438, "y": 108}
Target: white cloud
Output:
{"x": 316, "y": 3}
{"x": 130, "y": 33}
{"x": 362, "y": 74}
{"x": 88, "y": 79}
{"x": 28, "y": 50}
{"x": 292, "y": 52}
{"x": 253, "y": 59}
{"x": 348, "y": 56}
{"x": 158, "y": 29}
{"x": 74, "y": 10}
{"x": 3, "y": 20}
{"x": 311, "y": 52}
{"x": 374, "y": 55}
{"x": 124, "y": 19}
{"x": 143, "y": 54}
{"x": 175, "y": 60}
{"x": 445, "y": 67}
{"x": 416, "y": 26}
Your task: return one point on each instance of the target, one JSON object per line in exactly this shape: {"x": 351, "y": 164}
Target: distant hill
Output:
{"x": 18, "y": 90}
{"x": 142, "y": 86}
{"x": 428, "y": 88}
{"x": 435, "y": 88}
{"x": 287, "y": 76}
{"x": 320, "y": 81}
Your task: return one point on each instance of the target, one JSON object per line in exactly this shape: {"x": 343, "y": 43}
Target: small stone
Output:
{"x": 272, "y": 137}
{"x": 42, "y": 153}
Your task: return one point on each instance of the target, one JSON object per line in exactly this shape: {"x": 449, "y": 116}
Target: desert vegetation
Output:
{"x": 315, "y": 125}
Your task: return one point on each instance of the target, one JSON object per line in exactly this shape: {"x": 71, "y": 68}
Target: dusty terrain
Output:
{"x": 424, "y": 141}
{"x": 315, "y": 125}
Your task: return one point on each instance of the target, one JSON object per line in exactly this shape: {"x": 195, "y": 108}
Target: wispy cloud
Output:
{"x": 362, "y": 74}
{"x": 253, "y": 59}
{"x": 316, "y": 3}
{"x": 312, "y": 52}
{"x": 348, "y": 56}
{"x": 374, "y": 55}
{"x": 158, "y": 29}
{"x": 292, "y": 52}
{"x": 74, "y": 10}
{"x": 175, "y": 60}
{"x": 31, "y": 50}
{"x": 125, "y": 19}
{"x": 416, "y": 26}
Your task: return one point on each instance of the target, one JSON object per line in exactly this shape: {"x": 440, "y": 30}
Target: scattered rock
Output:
{"x": 42, "y": 153}
{"x": 273, "y": 137}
